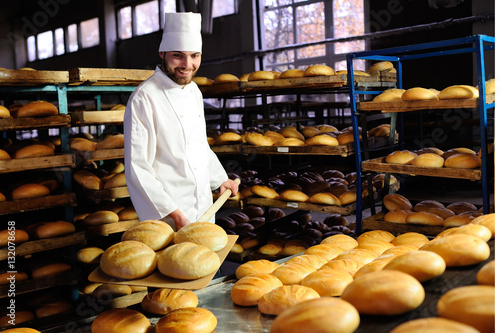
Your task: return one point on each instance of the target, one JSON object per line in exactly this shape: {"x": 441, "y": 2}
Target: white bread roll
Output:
{"x": 89, "y": 255}
{"x": 4, "y": 112}
{"x": 325, "y": 314}
{"x": 396, "y": 201}
{"x": 322, "y": 140}
{"x": 343, "y": 241}
{"x": 313, "y": 260}
{"x": 37, "y": 109}
{"x": 203, "y": 81}
{"x": 155, "y": 234}
{"x": 88, "y": 180}
{"x": 28, "y": 191}
{"x": 34, "y": 150}
{"x": 418, "y": 94}
{"x": 471, "y": 305}
{"x": 411, "y": 238}
{"x": 318, "y": 70}
{"x": 459, "y": 249}
{"x": 117, "y": 180}
{"x": 400, "y": 157}
{"x": 422, "y": 265}
{"x": 375, "y": 234}
{"x": 51, "y": 269}
{"x": 462, "y": 161}
{"x": 82, "y": 144}
{"x": 128, "y": 260}
{"x": 248, "y": 290}
{"x": 19, "y": 276}
{"x": 424, "y": 218}
{"x": 430, "y": 160}
{"x": 433, "y": 325}
{"x": 111, "y": 142}
{"x": 397, "y": 215}
{"x": 324, "y": 250}
{"x": 284, "y": 297}
{"x": 203, "y": 233}
{"x": 261, "y": 75}
{"x": 121, "y": 321}
{"x": 110, "y": 290}
{"x": 258, "y": 139}
{"x": 486, "y": 274}
{"x": 17, "y": 236}
{"x": 54, "y": 229}
{"x": 328, "y": 282}
{"x": 188, "y": 261}
{"x": 459, "y": 91}
{"x": 472, "y": 229}
{"x": 225, "y": 78}
{"x": 163, "y": 300}
{"x": 292, "y": 73}
{"x": 101, "y": 217}
{"x": 292, "y": 273}
{"x": 262, "y": 266}
{"x": 195, "y": 320}
{"x": 385, "y": 292}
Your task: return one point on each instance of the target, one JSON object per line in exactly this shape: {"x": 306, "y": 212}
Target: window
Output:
{"x": 90, "y": 32}
{"x": 125, "y": 22}
{"x": 72, "y": 38}
{"x": 147, "y": 18}
{"x": 59, "y": 40}
{"x": 144, "y": 18}
{"x": 31, "y": 48}
{"x": 223, "y": 7}
{"x": 45, "y": 45}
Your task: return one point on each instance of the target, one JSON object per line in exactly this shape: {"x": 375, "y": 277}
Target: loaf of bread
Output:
{"x": 52, "y": 307}
{"x": 203, "y": 81}
{"x": 361, "y": 255}
{"x": 264, "y": 192}
{"x": 322, "y": 140}
{"x": 88, "y": 180}
{"x": 258, "y": 139}
{"x": 183, "y": 320}
{"x": 37, "y": 109}
{"x": 380, "y": 131}
{"x": 228, "y": 138}
{"x": 471, "y": 305}
{"x": 111, "y": 142}
{"x": 110, "y": 290}
{"x": 324, "y": 314}
{"x": 34, "y": 150}
{"x": 19, "y": 276}
{"x": 117, "y": 180}
{"x": 225, "y": 78}
{"x": 293, "y": 247}
{"x": 430, "y": 160}
{"x": 350, "y": 266}
{"x": 21, "y": 330}
{"x": 318, "y": 70}
{"x": 459, "y": 207}
{"x": 422, "y": 265}
{"x": 375, "y": 234}
{"x": 345, "y": 242}
{"x": 292, "y": 273}
{"x": 433, "y": 324}
{"x": 411, "y": 238}
{"x": 312, "y": 260}
{"x": 128, "y": 260}
{"x": 281, "y": 298}
{"x": 4, "y": 156}
{"x": 82, "y": 144}
{"x": 457, "y": 221}
{"x": 390, "y": 95}
{"x": 154, "y": 233}
{"x": 385, "y": 292}
{"x": 292, "y": 73}
{"x": 327, "y": 282}
{"x": 163, "y": 300}
{"x": 248, "y": 290}
{"x": 325, "y": 198}
{"x": 292, "y": 132}
{"x": 380, "y": 66}
{"x": 418, "y": 94}
{"x": 397, "y": 251}
{"x": 327, "y": 251}
{"x": 127, "y": 213}
{"x": 290, "y": 142}
{"x": 4, "y": 112}
{"x": 51, "y": 269}
{"x": 89, "y": 255}
{"x": 400, "y": 157}
{"x": 488, "y": 221}
{"x": 462, "y": 161}
{"x": 261, "y": 75}
{"x": 486, "y": 274}
{"x": 397, "y": 215}
{"x": 101, "y": 217}
{"x": 425, "y": 218}
{"x": 121, "y": 321}
{"x": 293, "y": 195}
{"x": 472, "y": 229}
{"x": 30, "y": 190}
{"x": 54, "y": 229}
{"x": 374, "y": 266}
{"x": 203, "y": 233}
{"x": 16, "y": 236}
{"x": 396, "y": 201}
{"x": 188, "y": 261}
{"x": 376, "y": 246}
{"x": 459, "y": 91}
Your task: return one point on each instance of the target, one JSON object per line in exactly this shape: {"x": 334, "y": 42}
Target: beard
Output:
{"x": 172, "y": 73}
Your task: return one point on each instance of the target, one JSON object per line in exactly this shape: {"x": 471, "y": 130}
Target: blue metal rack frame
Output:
{"x": 477, "y": 44}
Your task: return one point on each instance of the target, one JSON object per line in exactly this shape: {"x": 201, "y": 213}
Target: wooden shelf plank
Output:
{"x": 61, "y": 120}
{"x": 376, "y": 222}
{"x": 32, "y": 77}
{"x": 107, "y": 194}
{"x": 108, "y": 76}
{"x": 342, "y": 150}
{"x": 33, "y": 163}
{"x": 342, "y": 210}
{"x": 103, "y": 154}
{"x": 27, "y": 286}
{"x": 82, "y": 118}
{"x": 23, "y": 205}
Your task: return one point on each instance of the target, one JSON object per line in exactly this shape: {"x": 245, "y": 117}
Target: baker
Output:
{"x": 169, "y": 167}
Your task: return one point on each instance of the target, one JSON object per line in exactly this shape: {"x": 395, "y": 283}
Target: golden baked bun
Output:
{"x": 318, "y": 70}
{"x": 196, "y": 320}
{"x": 30, "y": 190}
{"x": 203, "y": 233}
{"x": 188, "y": 261}
{"x": 225, "y": 78}
{"x": 293, "y": 247}
{"x": 274, "y": 136}
{"x": 313, "y": 260}
{"x": 264, "y": 192}
{"x": 380, "y": 131}
{"x": 228, "y": 138}
{"x": 375, "y": 234}
{"x": 262, "y": 266}
{"x": 110, "y": 290}
{"x": 325, "y": 314}
{"x": 163, "y": 300}
{"x": 292, "y": 132}
{"x": 292, "y": 73}
{"x": 203, "y": 81}
{"x": 128, "y": 260}
{"x": 100, "y": 217}
{"x": 54, "y": 268}
{"x": 127, "y": 213}
{"x": 400, "y": 157}
{"x": 37, "y": 109}
{"x": 82, "y": 144}
{"x": 397, "y": 215}
{"x": 117, "y": 180}
{"x": 411, "y": 238}
{"x": 284, "y": 297}
{"x": 121, "y": 321}
{"x": 472, "y": 229}
{"x": 389, "y": 95}
{"x": 309, "y": 131}
{"x": 322, "y": 140}
{"x": 324, "y": 250}
{"x": 21, "y": 330}
{"x": 324, "y": 198}
{"x": 433, "y": 325}
{"x": 16, "y": 236}
{"x": 428, "y": 160}
{"x": 433, "y": 150}
{"x": 88, "y": 180}
{"x": 380, "y": 66}
{"x": 248, "y": 290}
{"x": 111, "y": 142}
{"x": 462, "y": 161}
{"x": 488, "y": 221}
{"x": 290, "y": 142}
{"x": 261, "y": 75}
{"x": 326, "y": 128}
{"x": 327, "y": 282}
{"x": 35, "y": 150}
{"x": 292, "y": 273}
{"x": 471, "y": 305}
{"x": 258, "y": 139}
{"x": 422, "y": 265}
{"x": 89, "y": 255}
{"x": 396, "y": 201}
{"x": 154, "y": 233}
{"x": 293, "y": 195}
{"x": 486, "y": 274}
{"x": 418, "y": 94}
{"x": 425, "y": 218}
{"x": 4, "y": 112}
{"x": 362, "y": 255}
{"x": 460, "y": 91}
{"x": 244, "y": 77}
{"x": 4, "y": 156}
{"x": 457, "y": 221}
{"x": 345, "y": 242}
{"x": 385, "y": 292}
{"x": 53, "y": 229}
{"x": 459, "y": 249}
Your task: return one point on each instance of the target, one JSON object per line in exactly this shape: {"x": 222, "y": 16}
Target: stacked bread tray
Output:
{"x": 30, "y": 77}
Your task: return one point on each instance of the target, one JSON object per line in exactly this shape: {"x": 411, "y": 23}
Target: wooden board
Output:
{"x": 107, "y": 194}
{"x": 82, "y": 118}
{"x": 379, "y": 165}
{"x": 103, "y": 154}
{"x": 31, "y": 78}
{"x": 376, "y": 222}
{"x": 342, "y": 150}
{"x": 61, "y": 120}
{"x": 313, "y": 82}
{"x": 33, "y": 163}
{"x": 23, "y": 205}
{"x": 159, "y": 280}
{"x": 342, "y": 210}
{"x": 26, "y": 286}
{"x": 108, "y": 76}
{"x": 40, "y": 245}
{"x": 111, "y": 228}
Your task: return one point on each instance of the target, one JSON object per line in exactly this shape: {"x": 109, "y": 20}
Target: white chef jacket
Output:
{"x": 168, "y": 162}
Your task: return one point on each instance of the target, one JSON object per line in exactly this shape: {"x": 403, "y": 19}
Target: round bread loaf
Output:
{"x": 225, "y": 78}
{"x": 274, "y": 136}
{"x": 293, "y": 195}
{"x": 472, "y": 229}
{"x": 375, "y": 234}
{"x": 188, "y": 261}
{"x": 154, "y": 233}
{"x": 264, "y": 192}
{"x": 21, "y": 317}
{"x": 292, "y": 132}
{"x": 362, "y": 255}
{"x": 462, "y": 161}
{"x": 292, "y": 273}
{"x": 54, "y": 229}
{"x": 228, "y": 138}
{"x": 457, "y": 221}
{"x": 428, "y": 160}
{"x": 400, "y": 157}
{"x": 117, "y": 180}
{"x": 418, "y": 94}
{"x": 345, "y": 242}
{"x": 425, "y": 204}
{"x": 89, "y": 255}
{"x": 21, "y": 330}
{"x": 385, "y": 292}
{"x": 433, "y": 150}
{"x": 348, "y": 197}
{"x": 318, "y": 70}
{"x": 459, "y": 249}
{"x": 376, "y": 246}
{"x": 488, "y": 221}
{"x": 258, "y": 139}
{"x": 459, "y": 91}
{"x": 127, "y": 213}
{"x": 4, "y": 112}
{"x": 284, "y": 297}
{"x": 88, "y": 180}
{"x": 326, "y": 251}
{"x": 292, "y": 73}
{"x": 486, "y": 274}
{"x": 396, "y": 201}
{"x": 4, "y": 156}
{"x": 389, "y": 95}
{"x": 34, "y": 150}
{"x": 470, "y": 305}
{"x": 290, "y": 142}
{"x": 325, "y": 198}
{"x": 380, "y": 66}
{"x": 82, "y": 144}
{"x": 410, "y": 238}
{"x": 163, "y": 300}
{"x": 261, "y": 75}
{"x": 101, "y": 217}
{"x": 248, "y": 290}
{"x": 422, "y": 265}
{"x": 313, "y": 260}
{"x": 128, "y": 260}
{"x": 19, "y": 276}
{"x": 193, "y": 320}
{"x": 433, "y": 325}
{"x": 350, "y": 266}
{"x": 16, "y": 236}
{"x": 397, "y": 251}
{"x": 31, "y": 190}
{"x": 293, "y": 247}
{"x": 380, "y": 131}
{"x": 121, "y": 321}
{"x": 271, "y": 249}
{"x": 110, "y": 290}
{"x": 424, "y": 218}
{"x": 397, "y": 215}
{"x": 327, "y": 282}
{"x": 203, "y": 233}
{"x": 111, "y": 142}
{"x": 262, "y": 266}
{"x": 203, "y": 81}
{"x": 37, "y": 109}
{"x": 51, "y": 269}
{"x": 322, "y": 140}
{"x": 325, "y": 314}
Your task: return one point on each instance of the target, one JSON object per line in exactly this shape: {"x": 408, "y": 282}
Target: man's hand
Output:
{"x": 229, "y": 184}
{"x": 179, "y": 219}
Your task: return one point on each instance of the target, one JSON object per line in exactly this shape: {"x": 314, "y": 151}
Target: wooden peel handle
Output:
{"x": 217, "y": 204}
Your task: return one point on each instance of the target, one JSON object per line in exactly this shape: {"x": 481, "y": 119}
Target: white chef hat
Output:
{"x": 182, "y": 32}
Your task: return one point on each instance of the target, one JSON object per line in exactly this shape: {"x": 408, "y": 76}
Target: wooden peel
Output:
{"x": 217, "y": 204}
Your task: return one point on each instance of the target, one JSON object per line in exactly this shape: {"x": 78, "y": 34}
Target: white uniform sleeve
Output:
{"x": 217, "y": 173}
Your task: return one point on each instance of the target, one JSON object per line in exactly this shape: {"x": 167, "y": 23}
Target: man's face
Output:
{"x": 181, "y": 67}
